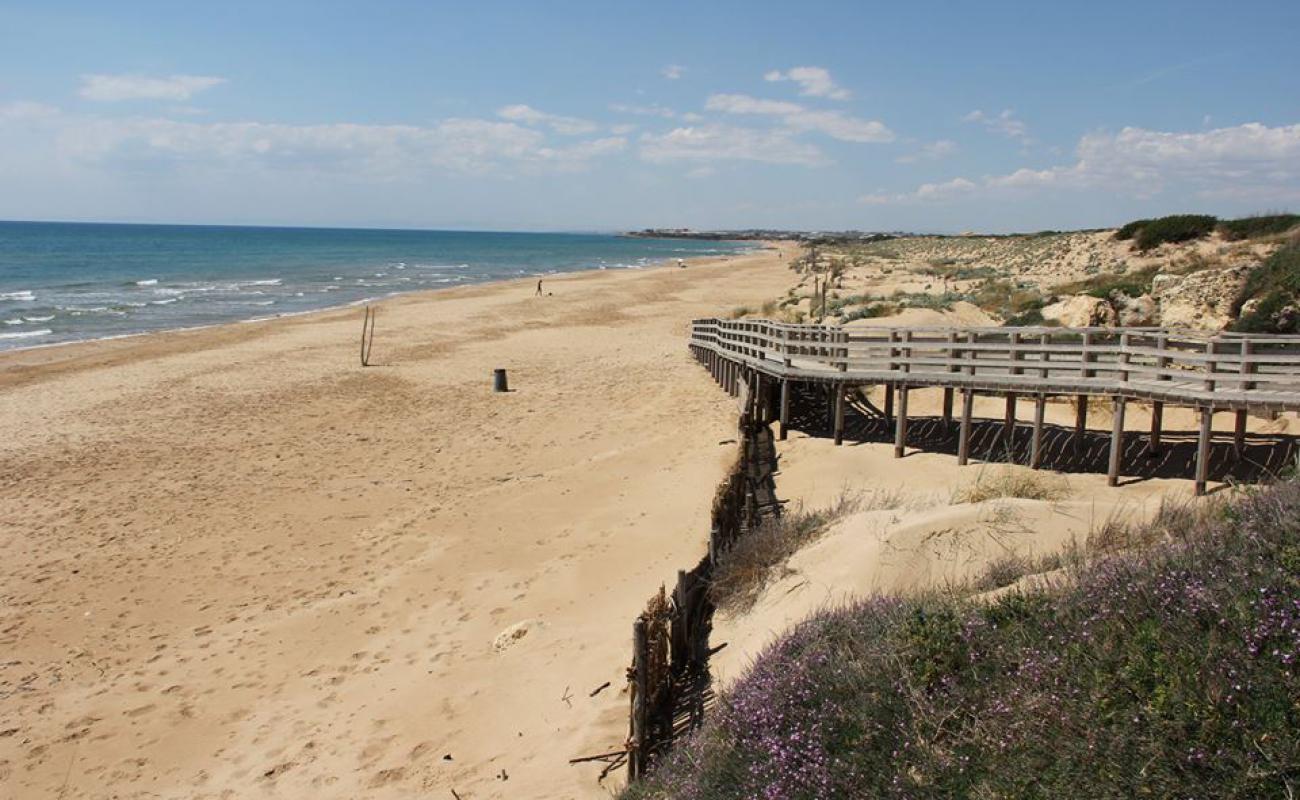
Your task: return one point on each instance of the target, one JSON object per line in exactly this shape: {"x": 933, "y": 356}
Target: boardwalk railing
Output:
{"x": 1241, "y": 372}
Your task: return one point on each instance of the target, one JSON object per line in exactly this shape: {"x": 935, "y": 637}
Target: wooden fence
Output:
{"x": 669, "y": 676}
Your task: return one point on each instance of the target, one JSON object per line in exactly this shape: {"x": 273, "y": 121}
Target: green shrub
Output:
{"x": 1028, "y": 319}
{"x": 1266, "y": 317}
{"x": 1130, "y": 230}
{"x": 1255, "y": 227}
{"x": 1132, "y": 284}
{"x": 870, "y": 312}
{"x": 1174, "y": 228}
{"x": 1278, "y": 272}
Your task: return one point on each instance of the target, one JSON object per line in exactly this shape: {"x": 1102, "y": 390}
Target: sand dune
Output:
{"x": 238, "y": 564}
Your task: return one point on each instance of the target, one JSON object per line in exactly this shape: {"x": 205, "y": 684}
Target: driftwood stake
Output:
{"x": 367, "y": 335}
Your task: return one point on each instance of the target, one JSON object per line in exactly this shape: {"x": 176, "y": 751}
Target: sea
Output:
{"x": 66, "y": 282}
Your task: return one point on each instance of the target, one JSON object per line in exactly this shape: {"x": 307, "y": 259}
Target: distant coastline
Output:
{"x": 758, "y": 235}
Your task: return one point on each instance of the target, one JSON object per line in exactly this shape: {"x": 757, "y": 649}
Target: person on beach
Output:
{"x": 539, "y": 288}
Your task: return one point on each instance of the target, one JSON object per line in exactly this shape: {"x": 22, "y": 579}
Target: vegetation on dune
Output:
{"x": 1276, "y": 285}
{"x": 760, "y": 556}
{"x": 1171, "y": 670}
{"x": 1132, "y": 284}
{"x": 1173, "y": 229}
{"x": 1006, "y": 299}
{"x": 1127, "y": 232}
{"x": 1019, "y": 483}
{"x": 1258, "y": 226}
{"x": 1149, "y": 233}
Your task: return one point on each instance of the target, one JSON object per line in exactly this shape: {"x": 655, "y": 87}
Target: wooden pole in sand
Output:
{"x": 1080, "y": 421}
{"x": 948, "y": 391}
{"x": 1009, "y": 427}
{"x": 1157, "y": 422}
{"x": 1203, "y": 450}
{"x": 900, "y": 428}
{"x": 367, "y": 336}
{"x": 1239, "y": 433}
{"x": 640, "y": 681}
{"x": 1116, "y": 443}
{"x": 963, "y": 436}
{"x": 785, "y": 407}
{"x": 889, "y": 402}
{"x": 840, "y": 391}
{"x": 1036, "y": 443}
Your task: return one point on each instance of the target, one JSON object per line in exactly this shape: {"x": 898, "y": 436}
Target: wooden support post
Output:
{"x": 640, "y": 688}
{"x": 1009, "y": 427}
{"x": 1080, "y": 421}
{"x": 900, "y": 428}
{"x": 1116, "y": 443}
{"x": 963, "y": 436}
{"x": 840, "y": 391}
{"x": 889, "y": 402}
{"x": 1036, "y": 443}
{"x": 1203, "y": 450}
{"x": 947, "y": 406}
{"x": 1239, "y": 434}
{"x": 785, "y": 407}
{"x": 1157, "y": 423}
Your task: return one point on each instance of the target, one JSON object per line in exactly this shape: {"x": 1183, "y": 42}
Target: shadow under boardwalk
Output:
{"x": 1264, "y": 456}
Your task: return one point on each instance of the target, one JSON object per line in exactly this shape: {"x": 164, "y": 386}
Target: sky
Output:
{"x": 612, "y": 115}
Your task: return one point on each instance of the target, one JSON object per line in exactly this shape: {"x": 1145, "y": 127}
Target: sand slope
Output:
{"x": 237, "y": 564}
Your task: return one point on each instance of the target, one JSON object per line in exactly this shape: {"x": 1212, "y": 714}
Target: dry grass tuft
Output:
{"x": 1020, "y": 483}
{"x": 759, "y": 557}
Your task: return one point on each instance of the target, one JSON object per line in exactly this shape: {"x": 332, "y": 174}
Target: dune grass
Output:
{"x": 1025, "y": 484}
{"x": 759, "y": 557}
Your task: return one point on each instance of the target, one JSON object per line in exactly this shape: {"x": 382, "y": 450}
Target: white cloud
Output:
{"x": 744, "y": 104}
{"x": 931, "y": 151}
{"x": 925, "y": 193}
{"x": 569, "y": 126}
{"x": 176, "y": 88}
{"x": 832, "y": 123}
{"x": 1246, "y": 163}
{"x": 643, "y": 111}
{"x": 1004, "y": 123}
{"x": 1144, "y": 162}
{"x": 22, "y": 109}
{"x": 361, "y": 152}
{"x": 673, "y": 71}
{"x": 813, "y": 81}
{"x": 724, "y": 142}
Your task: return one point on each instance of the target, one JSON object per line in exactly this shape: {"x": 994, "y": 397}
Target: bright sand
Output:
{"x": 237, "y": 564}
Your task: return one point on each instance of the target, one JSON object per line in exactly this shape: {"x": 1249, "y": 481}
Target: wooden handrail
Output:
{"x": 1228, "y": 370}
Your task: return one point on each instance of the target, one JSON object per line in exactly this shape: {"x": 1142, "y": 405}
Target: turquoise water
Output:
{"x": 63, "y": 282}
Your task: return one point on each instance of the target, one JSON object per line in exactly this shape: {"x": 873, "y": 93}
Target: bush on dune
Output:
{"x": 1173, "y": 229}
{"x": 1276, "y": 283}
{"x": 1257, "y": 227}
{"x": 1170, "y": 671}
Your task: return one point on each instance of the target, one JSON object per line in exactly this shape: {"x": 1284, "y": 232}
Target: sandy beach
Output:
{"x": 239, "y": 564}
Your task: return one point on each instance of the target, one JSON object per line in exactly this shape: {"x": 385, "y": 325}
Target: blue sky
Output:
{"x": 611, "y": 115}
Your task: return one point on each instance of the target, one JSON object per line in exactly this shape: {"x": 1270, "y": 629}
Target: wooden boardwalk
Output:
{"x": 1245, "y": 373}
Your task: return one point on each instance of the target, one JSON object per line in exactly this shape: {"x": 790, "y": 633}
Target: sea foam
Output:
{"x": 26, "y": 334}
